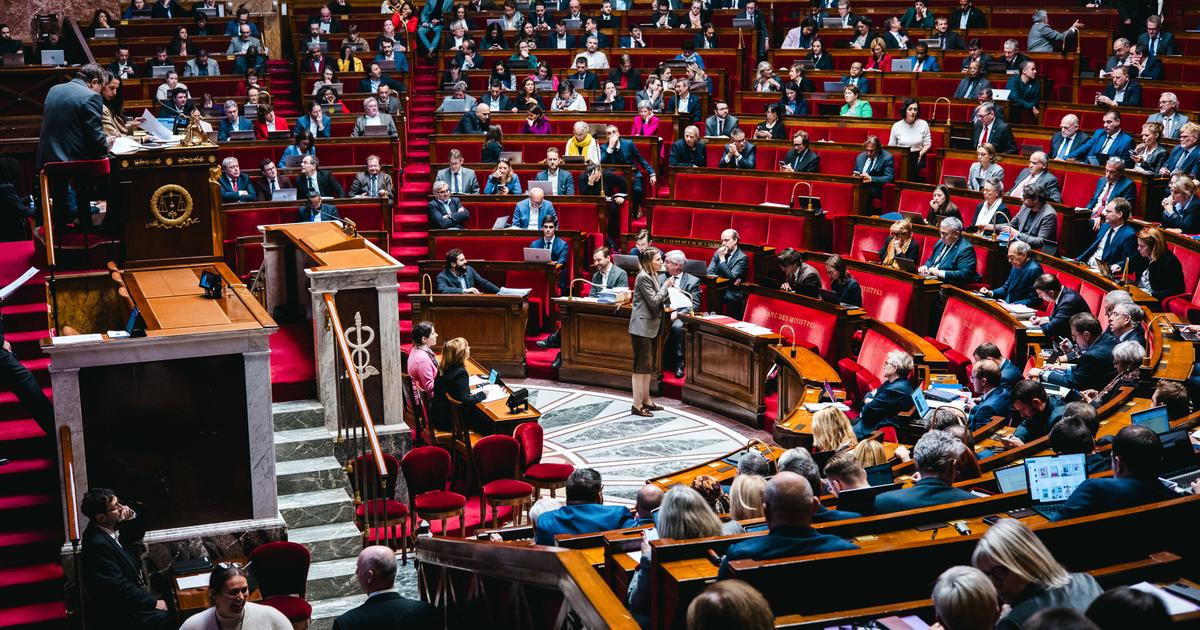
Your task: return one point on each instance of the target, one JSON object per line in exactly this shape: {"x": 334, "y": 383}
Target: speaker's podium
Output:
{"x": 360, "y": 279}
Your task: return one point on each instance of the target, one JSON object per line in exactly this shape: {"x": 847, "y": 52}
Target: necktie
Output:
{"x": 1107, "y": 239}
{"x": 1104, "y": 197}
{"x": 274, "y": 184}
{"x": 1064, "y": 149}
{"x": 312, "y": 184}
{"x": 720, "y": 126}
{"x": 970, "y": 89}
{"x": 983, "y": 138}
{"x": 233, "y": 182}
{"x": 1153, "y": 46}
{"x": 920, "y": 64}
{"x": 374, "y": 185}
{"x": 941, "y": 255}
{"x": 454, "y": 183}
{"x": 1107, "y": 144}
{"x": 203, "y": 69}
{"x": 1168, "y": 123}
{"x": 870, "y": 164}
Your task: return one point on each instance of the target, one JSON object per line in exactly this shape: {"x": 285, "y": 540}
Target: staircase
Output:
{"x": 31, "y": 579}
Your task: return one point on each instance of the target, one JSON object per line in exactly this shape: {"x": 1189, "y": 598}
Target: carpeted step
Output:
{"x": 408, "y": 287}
{"x": 409, "y": 252}
{"x": 405, "y": 219}
{"x": 23, "y": 438}
{"x": 28, "y": 316}
{"x": 33, "y": 472}
{"x": 20, "y": 510}
{"x": 418, "y": 170}
{"x": 29, "y": 546}
{"x": 409, "y": 272}
{"x": 31, "y": 583}
{"x": 410, "y": 238}
{"x": 30, "y": 616}
{"x": 10, "y": 407}
{"x": 25, "y": 343}
{"x": 422, "y": 156}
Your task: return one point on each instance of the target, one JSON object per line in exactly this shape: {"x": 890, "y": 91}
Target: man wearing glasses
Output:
{"x": 116, "y": 595}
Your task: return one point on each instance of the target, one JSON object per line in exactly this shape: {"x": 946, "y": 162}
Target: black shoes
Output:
{"x": 557, "y": 362}
{"x": 553, "y": 341}
{"x": 678, "y": 371}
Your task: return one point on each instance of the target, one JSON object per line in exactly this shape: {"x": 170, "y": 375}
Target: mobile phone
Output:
{"x": 991, "y": 520}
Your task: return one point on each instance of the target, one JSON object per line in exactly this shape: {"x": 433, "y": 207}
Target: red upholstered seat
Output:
{"x": 439, "y": 501}
{"x": 530, "y": 436}
{"x": 381, "y": 508}
{"x": 281, "y": 568}
{"x": 496, "y": 463}
{"x": 294, "y": 608}
{"x": 506, "y": 489}
{"x": 549, "y": 472}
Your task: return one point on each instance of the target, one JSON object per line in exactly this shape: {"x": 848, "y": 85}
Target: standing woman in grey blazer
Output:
{"x": 645, "y": 322}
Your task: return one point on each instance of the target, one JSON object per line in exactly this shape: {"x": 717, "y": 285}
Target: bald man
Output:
{"x": 730, "y": 262}
{"x": 788, "y": 505}
{"x": 648, "y": 500}
{"x": 384, "y": 608}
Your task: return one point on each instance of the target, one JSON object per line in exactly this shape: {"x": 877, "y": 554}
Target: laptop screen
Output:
{"x": 1155, "y": 419}
{"x": 1177, "y": 454}
{"x": 880, "y": 475}
{"x": 922, "y": 405}
{"x": 1053, "y": 479}
{"x": 1011, "y": 478}
{"x": 492, "y": 376}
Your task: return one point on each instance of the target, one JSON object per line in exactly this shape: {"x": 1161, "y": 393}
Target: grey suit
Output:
{"x": 710, "y": 126}
{"x": 361, "y": 186}
{"x": 469, "y": 184}
{"x": 1039, "y": 229}
{"x": 1042, "y": 38}
{"x": 691, "y": 285}
{"x": 71, "y": 127}
{"x": 966, "y": 90}
{"x": 1045, "y": 179}
{"x": 236, "y": 46}
{"x": 649, "y": 296}
{"x": 975, "y": 178}
{"x": 617, "y": 278}
{"x": 192, "y": 69}
{"x": 360, "y": 125}
{"x": 1179, "y": 121}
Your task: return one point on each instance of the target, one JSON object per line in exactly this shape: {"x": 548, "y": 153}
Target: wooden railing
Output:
{"x": 70, "y": 509}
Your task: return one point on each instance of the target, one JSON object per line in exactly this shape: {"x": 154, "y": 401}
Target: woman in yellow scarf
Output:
{"x": 582, "y": 143}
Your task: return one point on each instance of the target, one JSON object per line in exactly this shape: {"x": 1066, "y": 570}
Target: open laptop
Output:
{"x": 513, "y": 157}
{"x": 695, "y": 267}
{"x": 741, "y": 22}
{"x": 284, "y": 194}
{"x": 1000, "y": 94}
{"x": 241, "y": 135}
{"x": 451, "y": 104}
{"x": 907, "y": 264}
{"x": 832, "y": 86}
{"x": 831, "y": 22}
{"x": 536, "y": 255}
{"x": 627, "y": 262}
{"x": 880, "y": 475}
{"x": 12, "y": 59}
{"x": 501, "y": 223}
{"x": 1180, "y": 465}
{"x": 1051, "y": 480}
{"x": 279, "y": 134}
{"x": 1012, "y": 478}
{"x": 827, "y": 393}
{"x": 160, "y": 72}
{"x": 862, "y": 500}
{"x": 870, "y": 255}
{"x": 105, "y": 33}
{"x": 602, "y": 107}
{"x": 250, "y": 110}
{"x": 922, "y": 405}
{"x": 543, "y": 86}
{"x": 1155, "y": 419}
{"x": 375, "y": 131}
{"x": 933, "y": 43}
{"x": 902, "y": 65}
{"x": 292, "y": 161}
{"x": 211, "y": 12}
{"x": 541, "y": 184}
{"x": 53, "y": 58}
{"x": 573, "y": 23}
{"x": 954, "y": 181}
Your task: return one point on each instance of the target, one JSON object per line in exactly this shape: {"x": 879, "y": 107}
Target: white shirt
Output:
{"x": 987, "y": 214}
{"x": 372, "y": 120}
{"x": 915, "y": 136}
{"x": 595, "y": 59}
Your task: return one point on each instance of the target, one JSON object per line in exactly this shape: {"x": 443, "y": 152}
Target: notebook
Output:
{"x": 1051, "y": 480}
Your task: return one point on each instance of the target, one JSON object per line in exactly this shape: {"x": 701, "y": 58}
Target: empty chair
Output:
{"x": 377, "y": 512}
{"x": 496, "y": 458}
{"x": 541, "y": 476}
{"x": 281, "y": 569}
{"x": 426, "y": 471}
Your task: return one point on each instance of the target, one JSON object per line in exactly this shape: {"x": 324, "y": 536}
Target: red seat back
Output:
{"x": 426, "y": 468}
{"x": 496, "y": 457}
{"x": 813, "y": 327}
{"x": 963, "y": 327}
{"x": 281, "y": 567}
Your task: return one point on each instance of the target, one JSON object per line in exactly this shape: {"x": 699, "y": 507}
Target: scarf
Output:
{"x": 575, "y": 147}
{"x": 895, "y": 244}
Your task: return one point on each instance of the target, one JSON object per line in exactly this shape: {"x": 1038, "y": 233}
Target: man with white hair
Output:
{"x": 1037, "y": 175}
{"x": 953, "y": 259}
{"x": 1169, "y": 115}
{"x": 1018, "y": 287}
{"x": 1042, "y": 38}
{"x": 730, "y": 262}
{"x": 372, "y": 117}
{"x": 674, "y": 263}
{"x": 882, "y": 405}
{"x": 384, "y": 608}
{"x": 1067, "y": 138}
{"x": 936, "y": 456}
{"x": 235, "y": 185}
{"x": 582, "y": 143}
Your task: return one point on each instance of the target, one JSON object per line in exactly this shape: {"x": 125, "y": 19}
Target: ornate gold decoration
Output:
{"x": 214, "y": 174}
{"x": 194, "y": 135}
{"x": 171, "y": 206}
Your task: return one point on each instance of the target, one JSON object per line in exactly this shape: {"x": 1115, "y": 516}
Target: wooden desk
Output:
{"x": 726, "y": 368}
{"x": 172, "y": 303}
{"x": 596, "y": 346}
{"x": 802, "y": 376}
{"x": 494, "y": 325}
{"x": 715, "y": 467}
{"x": 496, "y": 412}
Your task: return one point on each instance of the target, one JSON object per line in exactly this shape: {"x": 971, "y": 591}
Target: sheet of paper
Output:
{"x": 67, "y": 340}
{"x": 200, "y": 580}
{"x": 680, "y": 299}
{"x": 636, "y": 555}
{"x": 12, "y": 287}
{"x": 476, "y": 380}
{"x": 151, "y": 125}
{"x": 517, "y": 292}
{"x": 124, "y": 145}
{"x": 1175, "y": 605}
{"x": 815, "y": 407}
{"x": 494, "y": 392}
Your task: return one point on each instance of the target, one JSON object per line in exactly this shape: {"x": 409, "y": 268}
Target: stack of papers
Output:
{"x": 679, "y": 298}
{"x": 815, "y": 407}
{"x": 493, "y": 392}
{"x": 613, "y": 296}
{"x": 516, "y": 292}
{"x": 1020, "y": 311}
{"x": 12, "y": 287}
{"x": 752, "y": 329}
{"x": 1175, "y": 605}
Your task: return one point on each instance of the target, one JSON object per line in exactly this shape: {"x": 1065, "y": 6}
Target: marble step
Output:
{"x": 309, "y": 475}
{"x": 332, "y": 578}
{"x": 298, "y": 414}
{"x": 308, "y": 509}
{"x": 328, "y": 542}
{"x": 303, "y": 444}
{"x": 326, "y": 610}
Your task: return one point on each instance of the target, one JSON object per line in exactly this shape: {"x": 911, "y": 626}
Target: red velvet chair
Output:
{"x": 539, "y": 475}
{"x": 281, "y": 569}
{"x": 496, "y": 458}
{"x": 376, "y": 512}
{"x": 426, "y": 472}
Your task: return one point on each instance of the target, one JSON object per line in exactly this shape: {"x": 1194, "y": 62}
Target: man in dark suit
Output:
{"x": 674, "y": 262}
{"x": 989, "y": 128}
{"x": 1038, "y": 411}
{"x": 617, "y": 150}
{"x": 312, "y": 178}
{"x": 882, "y": 405}
{"x": 1136, "y": 459}
{"x": 953, "y": 259}
{"x": 496, "y": 99}
{"x": 730, "y": 263}
{"x": 1094, "y": 366}
{"x": 235, "y": 185}
{"x": 975, "y": 80}
{"x": 314, "y": 209}
{"x": 875, "y": 166}
{"x": 562, "y": 182}
{"x": 385, "y": 608}
{"x": 967, "y": 17}
{"x": 689, "y": 150}
{"x": 721, "y": 122}
{"x": 559, "y": 250}
{"x": 739, "y": 154}
{"x": 707, "y": 38}
{"x": 584, "y": 512}
{"x": 936, "y": 456}
{"x": 1064, "y": 141}
{"x": 232, "y": 122}
{"x": 690, "y": 102}
{"x": 71, "y": 130}
{"x": 1036, "y": 176}
{"x": 270, "y": 180}
{"x": 947, "y": 39}
{"x": 445, "y": 212}
{"x": 558, "y": 39}
{"x": 994, "y": 400}
{"x": 122, "y": 67}
{"x": 474, "y": 122}
{"x": 1185, "y": 157}
{"x": 798, "y": 460}
{"x": 1117, "y": 241}
{"x": 1122, "y": 91}
{"x": 458, "y": 277}
{"x": 1156, "y": 40}
{"x": 789, "y": 504}
{"x": 801, "y": 158}
{"x": 751, "y": 13}
{"x": 1067, "y": 302}
{"x": 1010, "y": 373}
{"x": 1107, "y": 142}
{"x": 375, "y": 78}
{"x": 1024, "y": 93}
{"x": 117, "y": 595}
{"x": 1018, "y": 287}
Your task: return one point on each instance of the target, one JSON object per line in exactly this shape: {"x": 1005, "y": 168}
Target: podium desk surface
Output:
{"x": 330, "y": 247}
{"x": 172, "y": 303}
{"x": 496, "y": 412}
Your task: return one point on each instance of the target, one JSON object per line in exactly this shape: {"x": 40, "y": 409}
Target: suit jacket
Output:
{"x": 1091, "y": 153}
{"x": 912, "y": 252}
{"x": 975, "y": 18}
{"x": 226, "y": 128}
{"x": 360, "y": 125}
{"x": 192, "y": 69}
{"x": 264, "y": 189}
{"x": 687, "y": 283}
{"x": 362, "y": 185}
{"x": 1094, "y": 368}
{"x": 455, "y": 382}
{"x": 1001, "y": 136}
{"x": 883, "y": 170}
{"x": 1123, "y": 245}
{"x": 1165, "y": 46}
{"x": 928, "y": 64}
{"x": 115, "y": 68}
{"x": 693, "y": 106}
{"x": 646, "y": 318}
{"x": 548, "y": 40}
{"x": 303, "y": 123}
{"x": 702, "y": 41}
{"x": 733, "y": 268}
{"x": 470, "y": 123}
{"x": 1069, "y": 303}
{"x": 558, "y": 252}
{"x": 824, "y": 62}
{"x": 782, "y": 542}
{"x": 710, "y": 125}
{"x": 1133, "y": 94}
{"x": 469, "y": 183}
{"x": 1024, "y": 95}
{"x": 1045, "y": 179}
{"x": 927, "y": 492}
{"x": 891, "y": 41}
{"x": 1180, "y": 121}
{"x": 997, "y": 402}
{"x": 1039, "y": 425}
{"x": 328, "y": 186}
{"x": 521, "y": 214}
{"x": 447, "y": 282}
{"x": 1187, "y": 219}
{"x": 115, "y": 590}
{"x": 1042, "y": 38}
{"x": 1096, "y": 496}
{"x": 364, "y": 85}
{"x": 326, "y": 212}
{"x": 683, "y": 155}
{"x": 1018, "y": 287}
{"x": 909, "y": 20}
{"x": 389, "y": 611}
{"x": 959, "y": 263}
{"x": 617, "y": 279}
{"x": 1166, "y": 276}
{"x": 503, "y": 104}
{"x": 1177, "y": 162}
{"x": 1123, "y": 188}
{"x": 1077, "y": 140}
{"x": 452, "y": 215}
{"x": 581, "y": 518}
{"x": 1039, "y": 229}
{"x": 746, "y": 160}
{"x": 71, "y": 127}
{"x": 1152, "y": 70}
{"x": 235, "y": 45}
{"x": 885, "y": 403}
{"x": 627, "y": 153}
{"x": 965, "y": 89}
{"x": 566, "y": 181}
{"x": 243, "y": 183}
{"x": 809, "y": 162}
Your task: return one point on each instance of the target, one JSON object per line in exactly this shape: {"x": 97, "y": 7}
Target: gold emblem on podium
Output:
{"x": 171, "y": 207}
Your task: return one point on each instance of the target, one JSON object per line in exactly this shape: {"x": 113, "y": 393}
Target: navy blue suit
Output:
{"x": 1177, "y": 162}
{"x": 781, "y": 542}
{"x": 1091, "y": 153}
{"x": 1123, "y": 188}
{"x": 447, "y": 282}
{"x": 1096, "y": 496}
{"x": 959, "y": 263}
{"x": 683, "y": 155}
{"x": 1024, "y": 95}
{"x": 1079, "y": 139}
{"x": 228, "y": 195}
{"x": 1069, "y": 303}
{"x": 226, "y": 128}
{"x": 581, "y": 519}
{"x": 1123, "y": 245}
{"x": 302, "y": 124}
{"x": 558, "y": 255}
{"x": 882, "y": 171}
{"x": 627, "y": 153}
{"x": 997, "y": 402}
{"x": 826, "y": 515}
{"x": 888, "y": 401}
{"x": 326, "y": 212}
{"x": 927, "y": 492}
{"x": 1094, "y": 368}
{"x": 1187, "y": 219}
{"x": 1009, "y": 374}
{"x": 1018, "y": 288}
{"x": 693, "y": 106}
{"x": 746, "y": 161}
{"x": 1133, "y": 94}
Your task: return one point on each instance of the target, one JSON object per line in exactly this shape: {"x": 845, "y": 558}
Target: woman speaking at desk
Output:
{"x": 453, "y": 381}
{"x": 645, "y": 322}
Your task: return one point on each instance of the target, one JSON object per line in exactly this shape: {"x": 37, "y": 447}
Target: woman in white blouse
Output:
{"x": 985, "y": 168}
{"x": 912, "y": 131}
{"x": 991, "y": 211}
